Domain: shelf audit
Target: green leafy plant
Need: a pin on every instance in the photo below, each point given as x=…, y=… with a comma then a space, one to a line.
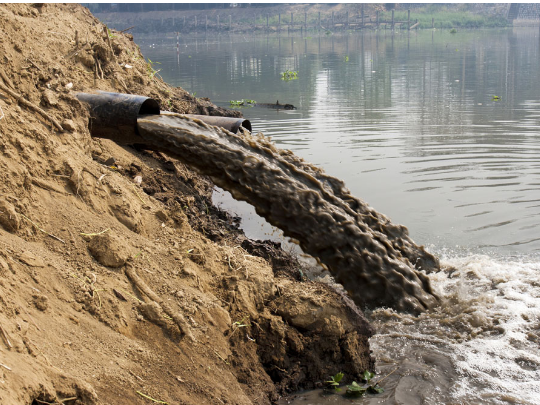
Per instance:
x=496, y=98
x=111, y=35
x=240, y=324
x=242, y=103
x=333, y=382
x=346, y=58
x=453, y=31
x=358, y=390
x=152, y=72
x=289, y=75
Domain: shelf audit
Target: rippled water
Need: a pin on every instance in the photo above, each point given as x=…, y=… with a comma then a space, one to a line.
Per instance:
x=411, y=124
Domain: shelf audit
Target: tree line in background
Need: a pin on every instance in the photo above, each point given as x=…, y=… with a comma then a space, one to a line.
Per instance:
x=142, y=7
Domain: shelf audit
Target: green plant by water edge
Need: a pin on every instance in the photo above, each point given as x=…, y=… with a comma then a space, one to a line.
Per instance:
x=242, y=103
x=358, y=390
x=333, y=382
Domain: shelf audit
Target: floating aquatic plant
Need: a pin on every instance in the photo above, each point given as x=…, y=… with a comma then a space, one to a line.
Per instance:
x=289, y=75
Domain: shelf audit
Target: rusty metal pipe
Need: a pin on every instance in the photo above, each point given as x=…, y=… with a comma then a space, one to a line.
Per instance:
x=114, y=116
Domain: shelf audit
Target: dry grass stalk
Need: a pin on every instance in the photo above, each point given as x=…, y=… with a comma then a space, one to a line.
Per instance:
x=5, y=337
x=235, y=257
x=151, y=399
x=45, y=232
x=31, y=319
x=56, y=401
x=177, y=317
x=95, y=234
x=47, y=186
x=34, y=107
x=135, y=375
x=33, y=64
x=221, y=358
x=127, y=29
x=6, y=79
x=138, y=195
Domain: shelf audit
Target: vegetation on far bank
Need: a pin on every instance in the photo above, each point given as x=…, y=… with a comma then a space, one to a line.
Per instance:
x=444, y=18
x=315, y=16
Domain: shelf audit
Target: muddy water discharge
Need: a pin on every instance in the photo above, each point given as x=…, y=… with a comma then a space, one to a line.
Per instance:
x=374, y=259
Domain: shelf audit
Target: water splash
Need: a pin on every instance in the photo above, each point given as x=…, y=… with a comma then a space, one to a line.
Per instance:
x=485, y=335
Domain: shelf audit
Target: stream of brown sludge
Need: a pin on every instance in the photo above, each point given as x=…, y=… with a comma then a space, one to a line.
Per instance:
x=372, y=258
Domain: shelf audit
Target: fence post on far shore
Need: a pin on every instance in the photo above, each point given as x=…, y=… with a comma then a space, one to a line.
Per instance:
x=392, y=20
x=347, y=20
x=408, y=19
x=319, y=27
x=195, y=23
x=377, y=19
x=230, y=23
x=305, y=21
x=432, y=22
x=279, y=22
x=267, y=26
x=218, y=24
x=291, y=25
x=362, y=11
x=205, y=23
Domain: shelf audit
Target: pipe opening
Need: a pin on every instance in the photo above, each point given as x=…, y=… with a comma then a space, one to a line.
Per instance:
x=149, y=107
x=246, y=124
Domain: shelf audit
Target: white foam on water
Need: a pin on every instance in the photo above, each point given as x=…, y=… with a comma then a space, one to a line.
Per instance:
x=488, y=328
x=500, y=359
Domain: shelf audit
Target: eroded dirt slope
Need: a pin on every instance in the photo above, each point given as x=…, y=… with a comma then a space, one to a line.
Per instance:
x=119, y=280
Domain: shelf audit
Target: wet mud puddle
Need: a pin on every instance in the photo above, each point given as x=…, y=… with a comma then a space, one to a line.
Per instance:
x=372, y=258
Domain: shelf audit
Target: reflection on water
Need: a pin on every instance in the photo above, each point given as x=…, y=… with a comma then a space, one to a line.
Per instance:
x=411, y=124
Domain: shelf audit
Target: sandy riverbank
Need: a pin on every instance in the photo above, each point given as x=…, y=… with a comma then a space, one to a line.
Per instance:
x=79, y=232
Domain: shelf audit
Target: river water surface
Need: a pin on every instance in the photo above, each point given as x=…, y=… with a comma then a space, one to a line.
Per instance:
x=439, y=132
